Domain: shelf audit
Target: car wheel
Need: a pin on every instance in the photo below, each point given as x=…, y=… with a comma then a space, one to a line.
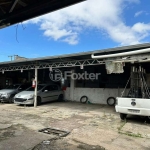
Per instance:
x=148, y=119
x=11, y=100
x=111, y=101
x=38, y=100
x=61, y=98
x=123, y=116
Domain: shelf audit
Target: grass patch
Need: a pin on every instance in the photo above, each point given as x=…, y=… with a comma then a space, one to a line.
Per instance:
x=122, y=125
x=138, y=135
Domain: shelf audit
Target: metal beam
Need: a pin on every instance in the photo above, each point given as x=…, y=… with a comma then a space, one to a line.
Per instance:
x=4, y=3
x=2, y=10
x=88, y=62
x=22, y=3
x=13, y=5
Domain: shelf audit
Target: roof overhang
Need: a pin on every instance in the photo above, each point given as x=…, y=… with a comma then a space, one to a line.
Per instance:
x=16, y=11
x=69, y=60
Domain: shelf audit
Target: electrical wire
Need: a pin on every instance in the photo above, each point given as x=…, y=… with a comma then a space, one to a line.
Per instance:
x=142, y=84
x=146, y=87
x=126, y=86
x=17, y=33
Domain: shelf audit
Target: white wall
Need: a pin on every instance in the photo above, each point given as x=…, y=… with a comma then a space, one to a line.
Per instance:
x=95, y=95
x=67, y=94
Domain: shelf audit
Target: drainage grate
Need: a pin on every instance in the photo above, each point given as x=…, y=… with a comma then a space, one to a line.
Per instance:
x=56, y=132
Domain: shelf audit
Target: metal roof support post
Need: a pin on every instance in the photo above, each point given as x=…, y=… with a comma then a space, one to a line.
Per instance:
x=35, y=91
x=72, y=85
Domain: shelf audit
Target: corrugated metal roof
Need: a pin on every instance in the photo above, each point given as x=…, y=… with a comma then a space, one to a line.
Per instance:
x=80, y=56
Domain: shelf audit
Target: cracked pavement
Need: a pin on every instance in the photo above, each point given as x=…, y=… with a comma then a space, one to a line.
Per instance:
x=91, y=127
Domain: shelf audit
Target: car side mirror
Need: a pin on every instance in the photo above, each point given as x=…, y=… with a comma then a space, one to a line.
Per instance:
x=46, y=91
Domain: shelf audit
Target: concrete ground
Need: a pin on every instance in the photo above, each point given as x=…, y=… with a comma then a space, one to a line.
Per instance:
x=96, y=127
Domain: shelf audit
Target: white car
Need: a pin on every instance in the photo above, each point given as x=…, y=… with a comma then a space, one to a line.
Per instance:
x=7, y=94
x=133, y=104
x=45, y=93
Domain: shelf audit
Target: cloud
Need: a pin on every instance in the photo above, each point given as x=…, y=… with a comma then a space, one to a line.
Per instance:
x=138, y=13
x=67, y=24
x=141, y=28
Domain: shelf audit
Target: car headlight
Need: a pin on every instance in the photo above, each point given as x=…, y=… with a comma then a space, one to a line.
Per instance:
x=6, y=95
x=30, y=96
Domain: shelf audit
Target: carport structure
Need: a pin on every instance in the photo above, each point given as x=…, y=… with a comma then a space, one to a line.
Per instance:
x=83, y=61
x=64, y=61
x=16, y=11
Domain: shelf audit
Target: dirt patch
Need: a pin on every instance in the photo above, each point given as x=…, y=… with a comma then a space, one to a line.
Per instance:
x=9, y=132
x=31, y=116
x=61, y=144
x=136, y=130
x=93, y=125
x=68, y=123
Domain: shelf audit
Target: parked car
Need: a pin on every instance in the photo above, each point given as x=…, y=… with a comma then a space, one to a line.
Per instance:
x=45, y=93
x=133, y=104
x=7, y=94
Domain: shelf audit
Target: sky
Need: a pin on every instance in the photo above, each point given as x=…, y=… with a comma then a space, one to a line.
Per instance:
x=87, y=26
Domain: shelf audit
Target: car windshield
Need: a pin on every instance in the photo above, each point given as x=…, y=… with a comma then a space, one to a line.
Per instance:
x=39, y=87
x=15, y=86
